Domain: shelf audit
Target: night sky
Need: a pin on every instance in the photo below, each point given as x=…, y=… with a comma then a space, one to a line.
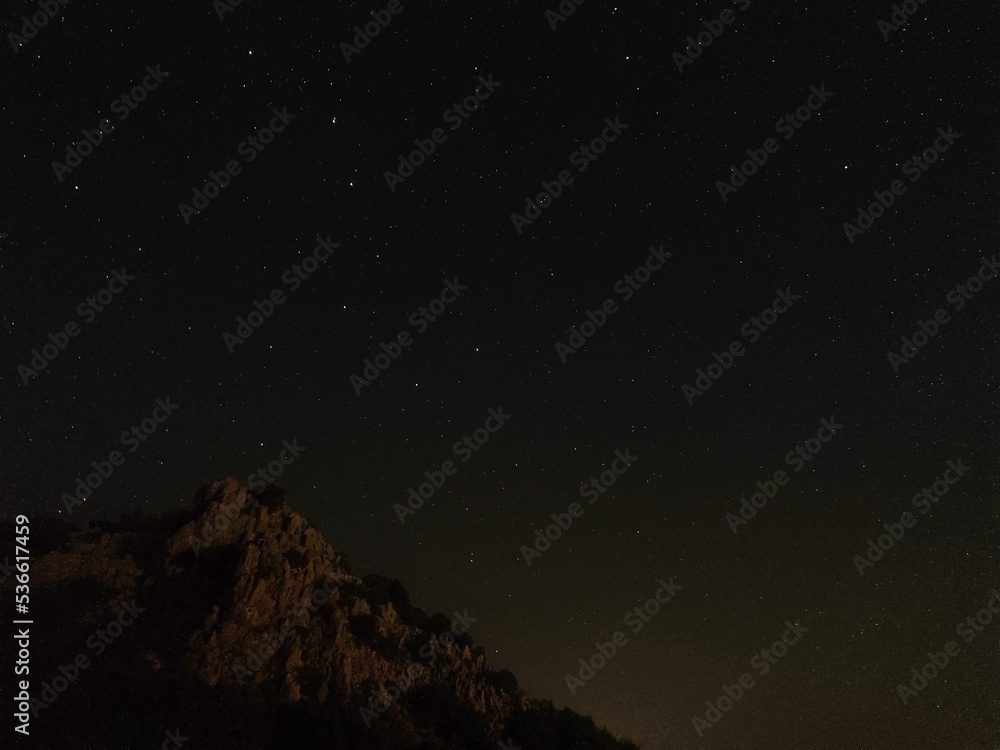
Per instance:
x=391, y=246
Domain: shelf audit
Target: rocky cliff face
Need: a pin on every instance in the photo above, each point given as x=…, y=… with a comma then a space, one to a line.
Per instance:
x=253, y=632
x=296, y=622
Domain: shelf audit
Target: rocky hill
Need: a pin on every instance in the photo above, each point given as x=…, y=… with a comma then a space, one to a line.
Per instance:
x=238, y=626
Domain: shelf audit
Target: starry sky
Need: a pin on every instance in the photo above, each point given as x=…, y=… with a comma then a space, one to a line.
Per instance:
x=65, y=233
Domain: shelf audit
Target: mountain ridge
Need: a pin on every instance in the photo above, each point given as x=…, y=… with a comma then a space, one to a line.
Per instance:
x=254, y=630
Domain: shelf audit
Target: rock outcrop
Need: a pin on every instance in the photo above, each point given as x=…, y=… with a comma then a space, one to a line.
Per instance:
x=255, y=633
